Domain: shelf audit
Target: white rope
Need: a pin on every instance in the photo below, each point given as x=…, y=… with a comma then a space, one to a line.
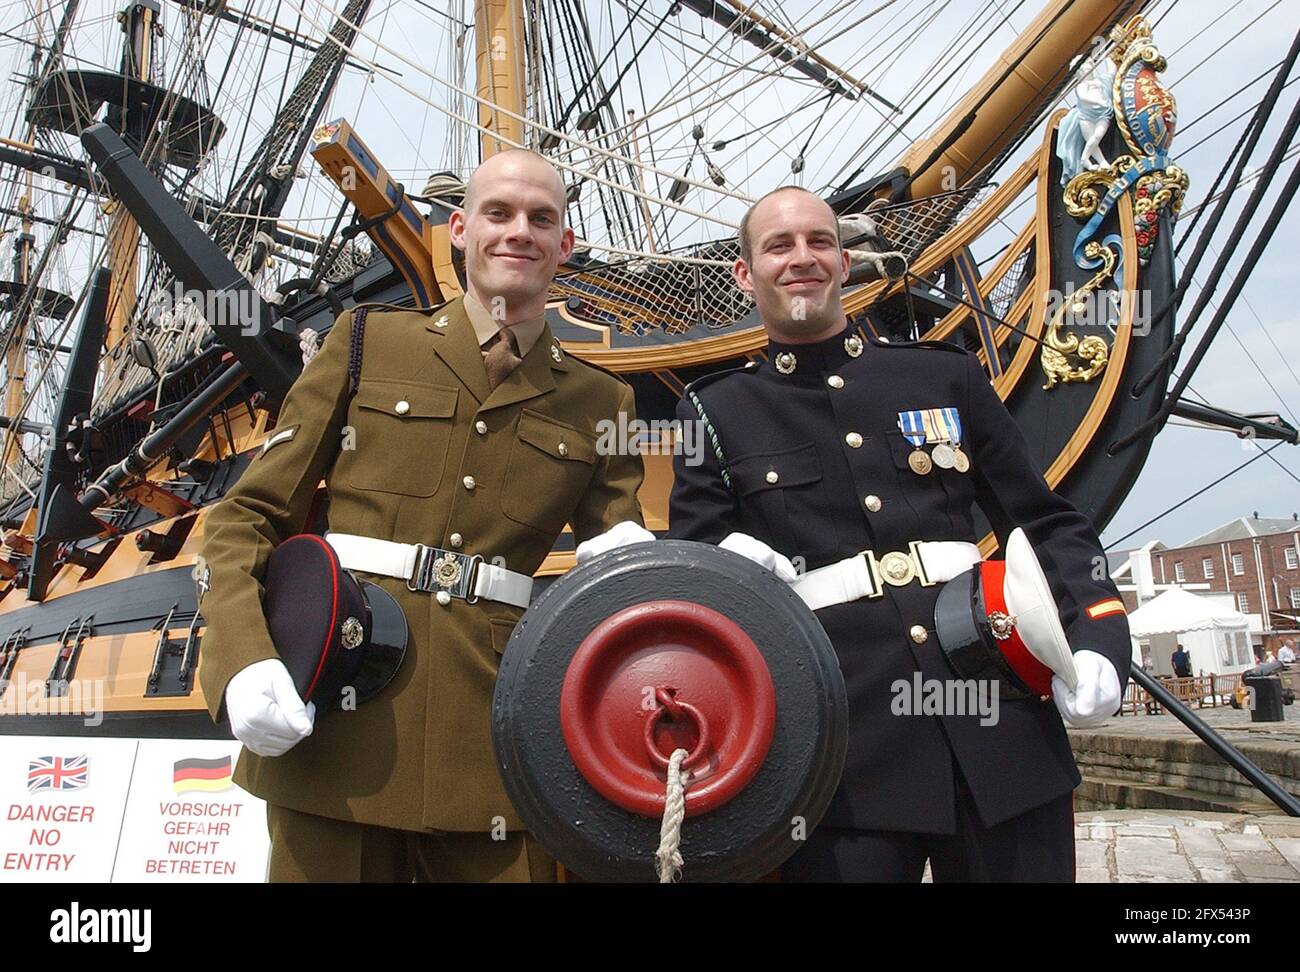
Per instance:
x=668, y=858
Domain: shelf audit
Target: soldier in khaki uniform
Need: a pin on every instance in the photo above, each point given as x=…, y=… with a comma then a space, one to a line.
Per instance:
x=458, y=445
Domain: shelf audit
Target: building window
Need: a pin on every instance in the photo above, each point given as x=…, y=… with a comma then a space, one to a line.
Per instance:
x=1207, y=565
x=1238, y=564
x=1243, y=604
x=1180, y=575
x=1295, y=597
x=1292, y=558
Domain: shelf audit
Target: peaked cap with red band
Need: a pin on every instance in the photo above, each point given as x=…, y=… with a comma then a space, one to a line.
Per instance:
x=999, y=620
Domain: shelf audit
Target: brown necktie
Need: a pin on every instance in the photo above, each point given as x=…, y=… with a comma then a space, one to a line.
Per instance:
x=502, y=357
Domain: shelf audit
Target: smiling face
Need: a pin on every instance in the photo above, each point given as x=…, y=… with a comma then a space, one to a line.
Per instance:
x=512, y=231
x=795, y=266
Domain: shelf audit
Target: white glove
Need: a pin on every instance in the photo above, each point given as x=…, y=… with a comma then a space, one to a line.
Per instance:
x=266, y=714
x=1098, y=693
x=308, y=344
x=760, y=553
x=619, y=535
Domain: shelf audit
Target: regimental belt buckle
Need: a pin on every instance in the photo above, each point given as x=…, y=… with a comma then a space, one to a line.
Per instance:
x=444, y=570
x=897, y=568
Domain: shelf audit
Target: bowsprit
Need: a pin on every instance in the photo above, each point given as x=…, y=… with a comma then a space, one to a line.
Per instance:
x=658, y=648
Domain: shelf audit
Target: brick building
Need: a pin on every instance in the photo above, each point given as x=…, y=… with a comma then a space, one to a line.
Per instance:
x=1255, y=559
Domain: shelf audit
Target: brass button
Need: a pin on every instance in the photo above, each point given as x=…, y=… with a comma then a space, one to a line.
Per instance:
x=919, y=634
x=854, y=440
x=456, y=540
x=835, y=381
x=480, y=427
x=564, y=449
x=469, y=482
x=772, y=476
x=402, y=407
x=873, y=503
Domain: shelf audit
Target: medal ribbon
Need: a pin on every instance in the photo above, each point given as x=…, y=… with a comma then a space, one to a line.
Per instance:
x=912, y=427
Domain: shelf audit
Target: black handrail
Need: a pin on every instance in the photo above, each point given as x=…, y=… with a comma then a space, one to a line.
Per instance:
x=1230, y=753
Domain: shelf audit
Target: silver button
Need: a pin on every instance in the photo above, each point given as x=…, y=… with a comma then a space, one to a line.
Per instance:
x=772, y=476
x=919, y=634
x=564, y=449
x=835, y=381
x=402, y=407
x=873, y=503
x=444, y=598
x=480, y=427
x=469, y=482
x=854, y=440
x=456, y=540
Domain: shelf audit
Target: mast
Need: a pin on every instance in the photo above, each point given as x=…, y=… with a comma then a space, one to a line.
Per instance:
x=139, y=22
x=500, y=43
x=16, y=355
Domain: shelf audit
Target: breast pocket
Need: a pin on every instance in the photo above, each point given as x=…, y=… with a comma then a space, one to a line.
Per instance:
x=550, y=465
x=784, y=487
x=401, y=433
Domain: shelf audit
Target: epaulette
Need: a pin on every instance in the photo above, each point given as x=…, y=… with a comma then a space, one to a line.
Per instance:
x=747, y=368
x=937, y=345
x=595, y=367
x=426, y=311
x=690, y=394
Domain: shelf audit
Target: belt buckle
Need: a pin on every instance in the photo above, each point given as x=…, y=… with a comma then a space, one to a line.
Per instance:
x=444, y=570
x=897, y=569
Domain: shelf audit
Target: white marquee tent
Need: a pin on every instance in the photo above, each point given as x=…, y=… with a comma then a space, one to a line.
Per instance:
x=1215, y=635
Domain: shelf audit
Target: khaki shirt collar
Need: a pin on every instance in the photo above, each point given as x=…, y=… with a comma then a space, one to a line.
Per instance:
x=486, y=326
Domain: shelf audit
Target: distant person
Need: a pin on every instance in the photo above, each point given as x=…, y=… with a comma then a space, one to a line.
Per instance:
x=1182, y=663
x=1286, y=654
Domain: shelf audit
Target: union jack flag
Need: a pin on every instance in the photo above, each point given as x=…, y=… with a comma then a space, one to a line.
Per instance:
x=57, y=773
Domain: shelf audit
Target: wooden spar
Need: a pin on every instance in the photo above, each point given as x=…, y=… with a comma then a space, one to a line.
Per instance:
x=124, y=231
x=395, y=226
x=1011, y=92
x=745, y=9
x=16, y=358
x=500, y=41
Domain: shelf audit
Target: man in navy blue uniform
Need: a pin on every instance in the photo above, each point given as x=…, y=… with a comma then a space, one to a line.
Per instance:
x=842, y=443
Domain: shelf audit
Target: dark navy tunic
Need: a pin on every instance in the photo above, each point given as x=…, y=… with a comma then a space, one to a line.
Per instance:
x=813, y=463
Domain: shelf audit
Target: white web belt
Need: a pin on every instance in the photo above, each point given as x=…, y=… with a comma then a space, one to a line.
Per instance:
x=866, y=575
x=432, y=569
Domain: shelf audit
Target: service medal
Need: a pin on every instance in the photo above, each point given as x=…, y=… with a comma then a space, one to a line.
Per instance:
x=960, y=461
x=919, y=462
x=943, y=456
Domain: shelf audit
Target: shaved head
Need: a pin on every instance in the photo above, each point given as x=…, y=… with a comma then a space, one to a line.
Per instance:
x=511, y=228
x=746, y=243
x=513, y=162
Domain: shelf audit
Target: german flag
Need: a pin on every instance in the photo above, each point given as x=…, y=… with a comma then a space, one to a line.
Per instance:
x=210, y=775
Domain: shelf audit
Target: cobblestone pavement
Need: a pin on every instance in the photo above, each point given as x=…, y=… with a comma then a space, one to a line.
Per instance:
x=1234, y=724
x=1122, y=846
x=1147, y=846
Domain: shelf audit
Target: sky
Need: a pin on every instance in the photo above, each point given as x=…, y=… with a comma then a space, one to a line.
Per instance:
x=901, y=48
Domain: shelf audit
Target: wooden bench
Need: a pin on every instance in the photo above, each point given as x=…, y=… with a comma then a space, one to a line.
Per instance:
x=1201, y=690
